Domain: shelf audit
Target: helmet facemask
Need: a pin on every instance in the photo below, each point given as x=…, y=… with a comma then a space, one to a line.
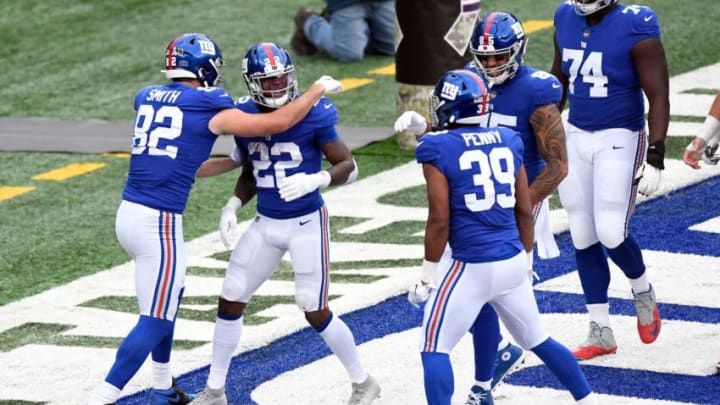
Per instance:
x=273, y=89
x=587, y=7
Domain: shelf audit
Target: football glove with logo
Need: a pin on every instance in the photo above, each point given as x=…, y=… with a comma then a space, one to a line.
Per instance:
x=651, y=174
x=331, y=85
x=412, y=122
x=228, y=221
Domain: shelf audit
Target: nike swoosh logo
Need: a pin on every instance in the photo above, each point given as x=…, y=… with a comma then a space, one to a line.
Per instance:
x=327, y=106
x=555, y=86
x=648, y=18
x=617, y=147
x=305, y=222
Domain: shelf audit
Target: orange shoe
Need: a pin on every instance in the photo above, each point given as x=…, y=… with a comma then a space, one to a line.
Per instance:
x=600, y=341
x=649, y=322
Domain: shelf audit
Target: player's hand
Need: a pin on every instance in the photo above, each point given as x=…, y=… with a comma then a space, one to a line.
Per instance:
x=228, y=220
x=652, y=173
x=300, y=184
x=412, y=122
x=650, y=181
x=419, y=293
x=532, y=275
x=330, y=85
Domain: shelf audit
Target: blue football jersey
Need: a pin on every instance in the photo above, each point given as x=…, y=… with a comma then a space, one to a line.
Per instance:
x=296, y=150
x=604, y=88
x=481, y=166
x=171, y=141
x=514, y=102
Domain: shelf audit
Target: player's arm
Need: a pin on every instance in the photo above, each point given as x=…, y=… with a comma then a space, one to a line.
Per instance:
x=238, y=123
x=343, y=167
x=649, y=59
x=218, y=166
x=437, y=227
x=708, y=135
x=557, y=72
x=523, y=210
x=550, y=138
x=244, y=192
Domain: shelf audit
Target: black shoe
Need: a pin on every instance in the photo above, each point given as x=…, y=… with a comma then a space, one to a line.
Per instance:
x=299, y=42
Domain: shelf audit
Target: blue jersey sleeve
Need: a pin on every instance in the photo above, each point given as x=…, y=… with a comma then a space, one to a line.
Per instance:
x=212, y=98
x=326, y=135
x=546, y=88
x=322, y=114
x=645, y=23
x=426, y=150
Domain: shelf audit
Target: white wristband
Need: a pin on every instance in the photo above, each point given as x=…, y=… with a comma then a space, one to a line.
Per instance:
x=234, y=203
x=428, y=271
x=326, y=178
x=710, y=129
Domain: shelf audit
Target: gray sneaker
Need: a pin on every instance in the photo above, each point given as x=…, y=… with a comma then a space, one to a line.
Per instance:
x=209, y=396
x=365, y=392
x=648, y=316
x=600, y=341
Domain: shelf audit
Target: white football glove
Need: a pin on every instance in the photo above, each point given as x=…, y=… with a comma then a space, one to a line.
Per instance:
x=412, y=122
x=300, y=184
x=228, y=220
x=650, y=180
x=532, y=275
x=330, y=85
x=419, y=293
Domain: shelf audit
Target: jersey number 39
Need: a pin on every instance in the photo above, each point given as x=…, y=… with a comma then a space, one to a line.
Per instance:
x=495, y=167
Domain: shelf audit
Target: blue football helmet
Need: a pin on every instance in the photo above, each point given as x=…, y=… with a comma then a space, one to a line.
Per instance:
x=587, y=7
x=194, y=56
x=459, y=97
x=498, y=34
x=269, y=74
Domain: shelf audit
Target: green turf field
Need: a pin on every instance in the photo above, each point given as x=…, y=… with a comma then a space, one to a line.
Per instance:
x=86, y=59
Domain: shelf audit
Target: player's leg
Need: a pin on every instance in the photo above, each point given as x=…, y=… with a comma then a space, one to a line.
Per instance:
x=309, y=247
x=252, y=262
x=615, y=200
x=519, y=312
x=462, y=290
x=577, y=195
x=154, y=240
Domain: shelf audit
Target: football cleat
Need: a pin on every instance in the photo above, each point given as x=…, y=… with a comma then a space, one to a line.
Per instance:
x=648, y=316
x=365, y=392
x=171, y=396
x=507, y=360
x=600, y=341
x=210, y=396
x=479, y=396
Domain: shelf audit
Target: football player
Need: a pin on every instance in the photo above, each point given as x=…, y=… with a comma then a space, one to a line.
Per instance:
x=524, y=99
x=175, y=128
x=705, y=145
x=606, y=55
x=479, y=204
x=285, y=172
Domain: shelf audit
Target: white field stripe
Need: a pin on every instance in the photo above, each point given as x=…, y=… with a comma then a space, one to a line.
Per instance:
x=711, y=226
x=395, y=362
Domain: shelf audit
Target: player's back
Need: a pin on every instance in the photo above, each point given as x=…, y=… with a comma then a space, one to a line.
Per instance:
x=604, y=88
x=481, y=166
x=171, y=141
x=297, y=150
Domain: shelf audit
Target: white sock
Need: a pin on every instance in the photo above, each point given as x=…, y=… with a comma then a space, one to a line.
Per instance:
x=341, y=341
x=599, y=313
x=225, y=340
x=590, y=399
x=105, y=393
x=162, y=376
x=640, y=284
x=503, y=343
x=486, y=385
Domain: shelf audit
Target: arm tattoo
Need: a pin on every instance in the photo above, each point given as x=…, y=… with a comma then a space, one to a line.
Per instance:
x=550, y=137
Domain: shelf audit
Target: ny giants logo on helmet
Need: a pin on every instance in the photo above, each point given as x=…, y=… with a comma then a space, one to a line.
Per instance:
x=449, y=91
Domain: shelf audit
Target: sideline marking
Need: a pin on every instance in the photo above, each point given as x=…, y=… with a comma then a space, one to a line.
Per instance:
x=8, y=192
x=352, y=83
x=69, y=171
